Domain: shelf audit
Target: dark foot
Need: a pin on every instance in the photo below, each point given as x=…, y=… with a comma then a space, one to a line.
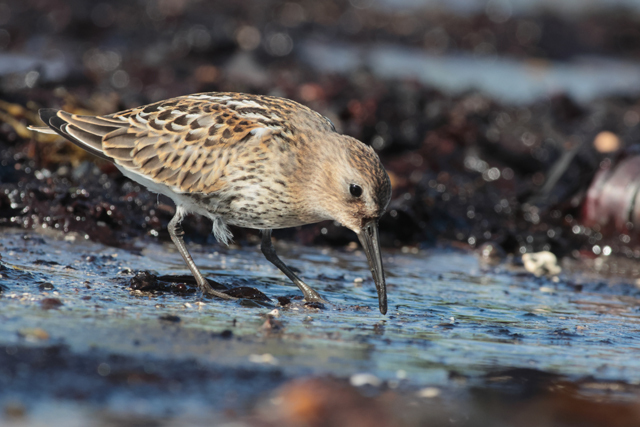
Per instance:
x=313, y=296
x=212, y=293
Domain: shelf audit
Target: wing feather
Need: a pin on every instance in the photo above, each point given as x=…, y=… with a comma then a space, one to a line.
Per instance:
x=186, y=142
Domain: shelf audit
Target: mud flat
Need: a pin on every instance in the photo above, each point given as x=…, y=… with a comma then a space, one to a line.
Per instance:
x=461, y=339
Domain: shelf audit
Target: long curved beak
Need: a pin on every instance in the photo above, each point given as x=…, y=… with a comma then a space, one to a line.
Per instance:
x=368, y=237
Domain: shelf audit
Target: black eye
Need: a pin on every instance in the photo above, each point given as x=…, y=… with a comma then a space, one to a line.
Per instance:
x=355, y=190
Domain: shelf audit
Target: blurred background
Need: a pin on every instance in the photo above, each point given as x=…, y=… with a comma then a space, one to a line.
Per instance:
x=506, y=126
x=508, y=122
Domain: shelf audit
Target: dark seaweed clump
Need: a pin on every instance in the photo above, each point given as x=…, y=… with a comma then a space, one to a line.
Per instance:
x=465, y=169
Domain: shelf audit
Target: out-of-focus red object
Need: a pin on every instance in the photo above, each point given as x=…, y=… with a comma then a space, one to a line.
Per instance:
x=612, y=200
x=327, y=402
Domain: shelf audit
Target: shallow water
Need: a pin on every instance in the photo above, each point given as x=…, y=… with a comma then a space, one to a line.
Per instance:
x=506, y=79
x=447, y=313
x=515, y=7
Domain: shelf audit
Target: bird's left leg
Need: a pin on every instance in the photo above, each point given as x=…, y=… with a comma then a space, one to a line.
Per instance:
x=270, y=253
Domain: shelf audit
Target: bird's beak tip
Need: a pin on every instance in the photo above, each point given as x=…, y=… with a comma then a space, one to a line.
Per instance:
x=368, y=236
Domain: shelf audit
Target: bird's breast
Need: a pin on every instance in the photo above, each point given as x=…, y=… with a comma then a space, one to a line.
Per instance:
x=257, y=204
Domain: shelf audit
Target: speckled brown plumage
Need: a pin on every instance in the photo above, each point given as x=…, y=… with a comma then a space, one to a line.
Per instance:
x=247, y=160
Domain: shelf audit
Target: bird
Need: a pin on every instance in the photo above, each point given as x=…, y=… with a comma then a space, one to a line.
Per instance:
x=254, y=161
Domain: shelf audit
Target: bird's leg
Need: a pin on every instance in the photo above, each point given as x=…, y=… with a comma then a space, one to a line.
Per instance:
x=176, y=233
x=270, y=253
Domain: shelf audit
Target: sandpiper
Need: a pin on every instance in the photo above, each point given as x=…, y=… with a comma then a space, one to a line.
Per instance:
x=247, y=160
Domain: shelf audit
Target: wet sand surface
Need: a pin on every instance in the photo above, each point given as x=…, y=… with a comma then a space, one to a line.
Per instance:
x=76, y=338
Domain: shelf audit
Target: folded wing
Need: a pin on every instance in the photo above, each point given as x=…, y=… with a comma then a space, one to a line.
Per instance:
x=185, y=143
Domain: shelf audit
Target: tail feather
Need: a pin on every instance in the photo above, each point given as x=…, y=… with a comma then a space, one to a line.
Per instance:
x=91, y=124
x=84, y=134
x=42, y=129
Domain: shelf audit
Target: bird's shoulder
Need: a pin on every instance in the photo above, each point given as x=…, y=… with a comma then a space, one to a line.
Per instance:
x=223, y=118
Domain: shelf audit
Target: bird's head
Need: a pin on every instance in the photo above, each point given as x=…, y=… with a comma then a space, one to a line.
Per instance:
x=353, y=188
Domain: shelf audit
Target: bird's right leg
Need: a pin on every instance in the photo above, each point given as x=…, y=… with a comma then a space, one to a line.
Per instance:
x=176, y=233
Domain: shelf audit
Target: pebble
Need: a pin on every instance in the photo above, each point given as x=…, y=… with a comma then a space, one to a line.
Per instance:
x=541, y=263
x=359, y=380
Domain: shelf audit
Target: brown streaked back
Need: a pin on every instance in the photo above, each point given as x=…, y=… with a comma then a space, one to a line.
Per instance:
x=188, y=142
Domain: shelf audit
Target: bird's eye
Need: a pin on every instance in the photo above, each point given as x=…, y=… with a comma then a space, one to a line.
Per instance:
x=355, y=190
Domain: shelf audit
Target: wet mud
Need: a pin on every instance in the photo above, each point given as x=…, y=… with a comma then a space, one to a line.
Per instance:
x=478, y=337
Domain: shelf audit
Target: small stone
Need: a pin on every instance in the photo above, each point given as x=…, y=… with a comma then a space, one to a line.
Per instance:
x=33, y=334
x=50, y=303
x=170, y=318
x=272, y=324
x=429, y=392
x=541, y=263
x=284, y=301
x=263, y=359
x=46, y=286
x=359, y=380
